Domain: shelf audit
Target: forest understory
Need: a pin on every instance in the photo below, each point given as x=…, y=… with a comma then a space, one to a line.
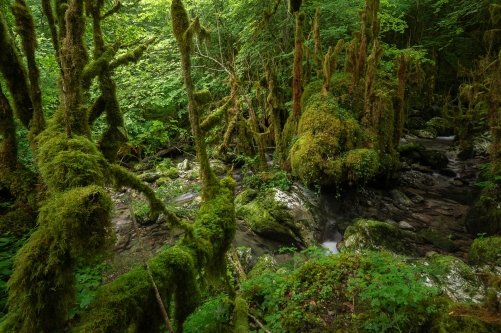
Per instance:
x=250, y=166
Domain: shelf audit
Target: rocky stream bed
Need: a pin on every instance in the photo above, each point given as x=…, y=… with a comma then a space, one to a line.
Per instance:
x=427, y=206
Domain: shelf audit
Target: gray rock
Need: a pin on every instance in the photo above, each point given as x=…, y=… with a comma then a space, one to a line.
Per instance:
x=413, y=237
x=405, y=225
x=457, y=183
x=184, y=165
x=401, y=198
x=150, y=177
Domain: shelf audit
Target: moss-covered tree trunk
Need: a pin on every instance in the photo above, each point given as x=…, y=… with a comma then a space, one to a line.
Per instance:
x=297, y=88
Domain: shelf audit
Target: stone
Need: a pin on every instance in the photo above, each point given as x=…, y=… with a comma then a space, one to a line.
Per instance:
x=430, y=254
x=150, y=177
x=421, y=168
x=184, y=165
x=278, y=215
x=438, y=239
x=219, y=167
x=447, y=172
x=413, y=237
x=457, y=183
x=405, y=226
x=405, y=166
x=401, y=198
x=428, y=133
x=456, y=279
x=375, y=235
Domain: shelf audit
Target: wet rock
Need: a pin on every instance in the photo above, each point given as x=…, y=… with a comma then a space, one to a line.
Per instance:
x=405, y=226
x=457, y=279
x=219, y=167
x=150, y=177
x=457, y=182
x=441, y=125
x=447, y=172
x=375, y=235
x=413, y=237
x=421, y=168
x=184, y=165
x=416, y=123
x=439, y=240
x=401, y=198
x=279, y=215
x=416, y=198
x=405, y=166
x=245, y=257
x=428, y=133
x=467, y=175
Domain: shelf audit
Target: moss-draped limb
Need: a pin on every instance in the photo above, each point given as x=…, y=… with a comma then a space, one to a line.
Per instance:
x=297, y=87
x=73, y=223
x=8, y=145
x=132, y=56
x=266, y=16
x=183, y=30
x=49, y=14
x=115, y=9
x=130, y=301
x=97, y=109
x=74, y=59
x=125, y=178
x=97, y=66
x=26, y=29
x=399, y=112
x=15, y=177
x=240, y=314
x=215, y=117
x=15, y=74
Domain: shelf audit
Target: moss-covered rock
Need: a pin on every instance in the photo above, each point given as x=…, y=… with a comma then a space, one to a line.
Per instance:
x=265, y=265
x=466, y=319
x=441, y=125
x=439, y=240
x=415, y=152
x=329, y=146
x=427, y=133
x=246, y=196
x=485, y=251
x=150, y=177
x=415, y=123
x=277, y=215
x=456, y=279
x=375, y=235
x=434, y=159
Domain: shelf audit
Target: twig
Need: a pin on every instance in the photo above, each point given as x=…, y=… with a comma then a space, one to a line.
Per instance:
x=258, y=322
x=145, y=263
x=235, y=261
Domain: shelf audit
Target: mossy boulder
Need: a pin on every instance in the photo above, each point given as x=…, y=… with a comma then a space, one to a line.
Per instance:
x=427, y=133
x=438, y=239
x=329, y=145
x=456, y=279
x=277, y=215
x=434, y=159
x=485, y=251
x=459, y=318
x=375, y=235
x=441, y=125
x=484, y=215
x=246, y=196
x=150, y=177
x=415, y=123
x=265, y=265
x=415, y=152
x=218, y=167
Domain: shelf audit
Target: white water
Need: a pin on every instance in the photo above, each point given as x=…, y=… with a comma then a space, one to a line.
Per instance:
x=445, y=138
x=331, y=246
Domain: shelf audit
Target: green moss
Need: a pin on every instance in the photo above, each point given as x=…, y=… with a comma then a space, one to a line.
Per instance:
x=441, y=125
x=484, y=214
x=434, y=159
x=240, y=314
x=374, y=235
x=265, y=265
x=466, y=319
x=485, y=251
x=69, y=163
x=438, y=239
x=74, y=223
x=18, y=221
x=246, y=196
x=415, y=123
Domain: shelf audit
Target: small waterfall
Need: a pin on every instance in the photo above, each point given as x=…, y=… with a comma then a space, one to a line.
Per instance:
x=331, y=236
